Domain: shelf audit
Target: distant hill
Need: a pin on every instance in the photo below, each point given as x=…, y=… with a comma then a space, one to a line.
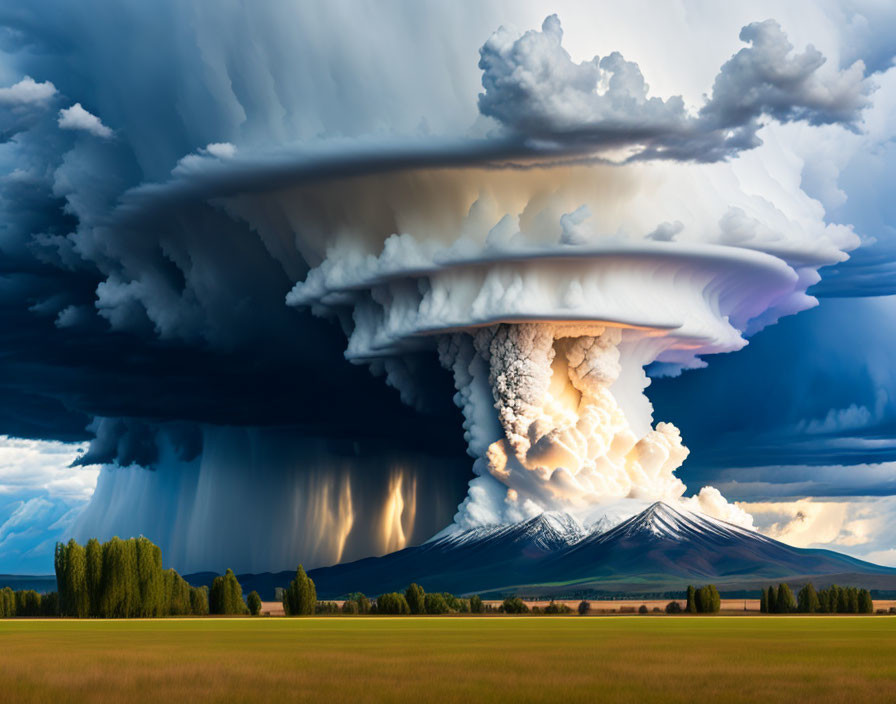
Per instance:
x=658, y=551
x=42, y=583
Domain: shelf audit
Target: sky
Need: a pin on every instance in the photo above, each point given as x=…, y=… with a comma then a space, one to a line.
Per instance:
x=196, y=206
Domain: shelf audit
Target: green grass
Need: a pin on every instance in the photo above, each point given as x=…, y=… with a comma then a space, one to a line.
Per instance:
x=500, y=659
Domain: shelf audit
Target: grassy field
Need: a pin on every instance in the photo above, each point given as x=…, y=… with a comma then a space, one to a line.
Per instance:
x=493, y=659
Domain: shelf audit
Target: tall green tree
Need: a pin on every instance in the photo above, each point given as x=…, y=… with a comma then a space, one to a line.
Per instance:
x=7, y=603
x=476, y=604
x=199, y=601
x=436, y=604
x=253, y=601
x=772, y=600
x=415, y=597
x=152, y=586
x=842, y=601
x=763, y=601
x=300, y=598
x=76, y=578
x=807, y=600
x=853, y=594
x=715, y=599
x=226, y=596
x=866, y=603
x=784, y=601
x=94, y=568
x=62, y=586
x=691, y=607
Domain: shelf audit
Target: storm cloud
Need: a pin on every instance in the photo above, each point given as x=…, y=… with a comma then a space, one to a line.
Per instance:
x=157, y=213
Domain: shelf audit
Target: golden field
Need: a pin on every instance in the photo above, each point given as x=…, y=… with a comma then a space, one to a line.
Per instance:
x=451, y=659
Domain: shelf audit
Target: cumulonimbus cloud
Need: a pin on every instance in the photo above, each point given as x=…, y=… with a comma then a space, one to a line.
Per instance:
x=535, y=89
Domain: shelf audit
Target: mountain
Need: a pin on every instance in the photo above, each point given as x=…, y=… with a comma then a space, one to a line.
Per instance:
x=660, y=549
x=485, y=555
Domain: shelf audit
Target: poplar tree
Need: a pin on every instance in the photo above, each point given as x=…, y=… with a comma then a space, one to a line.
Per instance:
x=785, y=601
x=866, y=603
x=691, y=607
x=76, y=580
x=59, y=565
x=842, y=601
x=300, y=598
x=772, y=600
x=763, y=602
x=151, y=584
x=254, y=603
x=226, y=595
x=94, y=568
x=7, y=603
x=807, y=601
x=415, y=597
x=199, y=601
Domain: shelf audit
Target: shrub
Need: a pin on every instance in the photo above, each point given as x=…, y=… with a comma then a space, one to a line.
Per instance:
x=326, y=607
x=436, y=604
x=657, y=610
x=350, y=606
x=392, y=603
x=476, y=606
x=584, y=607
x=253, y=601
x=673, y=607
x=362, y=601
x=452, y=601
x=514, y=605
x=643, y=609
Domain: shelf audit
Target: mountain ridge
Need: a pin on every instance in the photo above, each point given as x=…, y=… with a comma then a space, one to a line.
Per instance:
x=659, y=550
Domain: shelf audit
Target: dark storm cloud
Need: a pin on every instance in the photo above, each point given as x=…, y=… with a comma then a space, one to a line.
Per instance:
x=130, y=293
x=815, y=390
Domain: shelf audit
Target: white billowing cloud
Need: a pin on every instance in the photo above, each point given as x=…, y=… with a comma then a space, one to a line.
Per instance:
x=44, y=466
x=41, y=495
x=77, y=118
x=535, y=89
x=222, y=150
x=666, y=262
x=859, y=526
x=27, y=92
x=209, y=154
x=710, y=501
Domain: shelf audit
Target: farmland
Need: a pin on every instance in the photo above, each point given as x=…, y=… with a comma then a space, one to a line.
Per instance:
x=451, y=659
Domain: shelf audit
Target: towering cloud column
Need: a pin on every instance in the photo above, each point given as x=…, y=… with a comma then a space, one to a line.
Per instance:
x=566, y=442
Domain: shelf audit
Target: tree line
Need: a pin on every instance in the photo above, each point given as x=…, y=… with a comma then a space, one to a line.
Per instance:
x=27, y=603
x=833, y=600
x=122, y=579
